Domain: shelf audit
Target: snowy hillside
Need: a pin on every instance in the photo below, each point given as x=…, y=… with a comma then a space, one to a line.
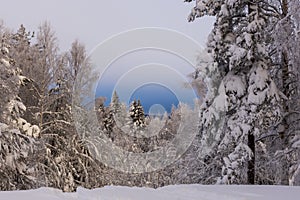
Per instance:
x=180, y=192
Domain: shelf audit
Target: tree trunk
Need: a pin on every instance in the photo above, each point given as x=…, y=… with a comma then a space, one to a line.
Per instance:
x=251, y=163
x=284, y=180
x=251, y=142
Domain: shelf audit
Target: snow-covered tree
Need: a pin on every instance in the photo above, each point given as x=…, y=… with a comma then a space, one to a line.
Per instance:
x=112, y=113
x=36, y=74
x=137, y=114
x=17, y=135
x=284, y=33
x=115, y=103
x=244, y=104
x=68, y=161
x=109, y=121
x=24, y=54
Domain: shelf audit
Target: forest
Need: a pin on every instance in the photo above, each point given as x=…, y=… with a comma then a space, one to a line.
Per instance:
x=246, y=130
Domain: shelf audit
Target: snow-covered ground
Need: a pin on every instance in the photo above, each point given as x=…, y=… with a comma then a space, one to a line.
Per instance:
x=179, y=192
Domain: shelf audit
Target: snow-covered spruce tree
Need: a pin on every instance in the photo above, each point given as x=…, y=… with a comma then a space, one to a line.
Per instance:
x=109, y=121
x=24, y=54
x=294, y=171
x=17, y=135
x=131, y=128
x=278, y=158
x=284, y=32
x=137, y=114
x=246, y=98
x=100, y=110
x=112, y=112
x=115, y=103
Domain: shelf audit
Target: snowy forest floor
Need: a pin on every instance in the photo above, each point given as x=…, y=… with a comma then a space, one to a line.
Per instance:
x=178, y=192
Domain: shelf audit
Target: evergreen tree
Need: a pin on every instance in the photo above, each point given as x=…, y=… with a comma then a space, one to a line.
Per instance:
x=16, y=138
x=244, y=105
x=137, y=114
x=284, y=35
x=100, y=110
x=109, y=121
x=115, y=103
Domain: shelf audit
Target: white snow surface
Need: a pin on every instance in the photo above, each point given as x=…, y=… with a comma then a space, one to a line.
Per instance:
x=177, y=192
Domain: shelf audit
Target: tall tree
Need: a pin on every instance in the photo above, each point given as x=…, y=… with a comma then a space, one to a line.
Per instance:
x=17, y=134
x=41, y=70
x=24, y=54
x=115, y=102
x=68, y=162
x=137, y=114
x=246, y=99
x=285, y=35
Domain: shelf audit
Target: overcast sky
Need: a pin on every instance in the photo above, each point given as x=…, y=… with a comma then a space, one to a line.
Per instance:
x=93, y=21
